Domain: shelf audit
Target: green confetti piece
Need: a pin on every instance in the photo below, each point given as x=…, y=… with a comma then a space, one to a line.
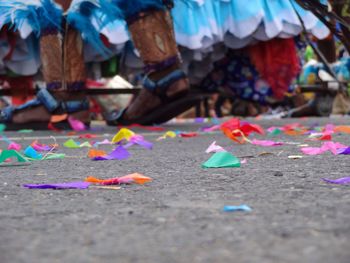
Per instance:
x=275, y=132
x=6, y=154
x=25, y=131
x=54, y=156
x=2, y=127
x=71, y=144
x=222, y=160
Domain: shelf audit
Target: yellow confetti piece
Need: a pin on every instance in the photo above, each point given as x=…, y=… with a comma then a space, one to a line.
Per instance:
x=123, y=133
x=168, y=134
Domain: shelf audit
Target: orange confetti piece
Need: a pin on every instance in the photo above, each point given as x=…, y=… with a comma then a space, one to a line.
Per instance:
x=96, y=153
x=58, y=118
x=130, y=178
x=342, y=129
x=295, y=132
x=93, y=180
x=138, y=178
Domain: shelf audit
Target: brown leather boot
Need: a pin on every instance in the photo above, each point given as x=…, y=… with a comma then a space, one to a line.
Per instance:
x=165, y=84
x=63, y=69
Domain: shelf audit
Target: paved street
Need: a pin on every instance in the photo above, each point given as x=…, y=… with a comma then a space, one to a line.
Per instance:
x=178, y=217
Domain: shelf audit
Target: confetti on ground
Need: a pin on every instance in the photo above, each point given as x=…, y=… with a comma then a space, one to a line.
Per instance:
x=266, y=143
x=87, y=136
x=14, y=146
x=25, y=131
x=222, y=160
x=59, y=186
x=32, y=153
x=123, y=134
x=96, y=153
x=343, y=181
x=139, y=140
x=188, y=134
x=6, y=154
x=120, y=153
x=238, y=132
x=240, y=208
x=75, y=145
x=326, y=146
x=168, y=134
x=127, y=179
x=214, y=148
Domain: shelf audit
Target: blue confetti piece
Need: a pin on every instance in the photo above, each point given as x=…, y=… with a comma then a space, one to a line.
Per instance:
x=240, y=208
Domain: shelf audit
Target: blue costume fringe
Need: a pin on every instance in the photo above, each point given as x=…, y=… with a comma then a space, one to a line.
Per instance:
x=80, y=16
x=131, y=7
x=41, y=15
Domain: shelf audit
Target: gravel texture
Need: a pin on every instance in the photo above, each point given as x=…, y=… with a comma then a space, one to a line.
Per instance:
x=178, y=217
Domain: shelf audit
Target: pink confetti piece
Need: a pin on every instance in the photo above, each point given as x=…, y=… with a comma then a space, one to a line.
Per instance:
x=343, y=181
x=41, y=147
x=214, y=148
x=104, y=142
x=211, y=128
x=76, y=124
x=244, y=161
x=329, y=128
x=266, y=143
x=14, y=146
x=326, y=146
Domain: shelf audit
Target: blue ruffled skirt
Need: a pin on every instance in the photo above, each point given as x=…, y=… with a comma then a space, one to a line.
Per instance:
x=201, y=26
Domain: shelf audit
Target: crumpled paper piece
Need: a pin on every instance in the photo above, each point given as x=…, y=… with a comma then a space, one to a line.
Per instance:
x=342, y=181
x=75, y=145
x=168, y=134
x=222, y=160
x=240, y=208
x=119, y=153
x=139, y=140
x=123, y=134
x=188, y=134
x=326, y=146
x=32, y=153
x=127, y=179
x=14, y=146
x=238, y=132
x=214, y=148
x=59, y=186
x=96, y=153
x=266, y=143
x=6, y=154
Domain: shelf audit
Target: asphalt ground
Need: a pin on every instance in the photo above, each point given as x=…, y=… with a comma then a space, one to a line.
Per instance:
x=178, y=217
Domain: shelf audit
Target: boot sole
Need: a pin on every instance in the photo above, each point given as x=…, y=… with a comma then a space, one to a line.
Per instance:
x=166, y=111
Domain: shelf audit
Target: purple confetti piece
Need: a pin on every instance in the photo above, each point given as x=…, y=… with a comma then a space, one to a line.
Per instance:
x=72, y=185
x=344, y=180
x=199, y=120
x=344, y=151
x=120, y=153
x=142, y=142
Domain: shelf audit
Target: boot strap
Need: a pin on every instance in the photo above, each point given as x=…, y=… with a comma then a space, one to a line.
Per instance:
x=160, y=86
x=150, y=68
